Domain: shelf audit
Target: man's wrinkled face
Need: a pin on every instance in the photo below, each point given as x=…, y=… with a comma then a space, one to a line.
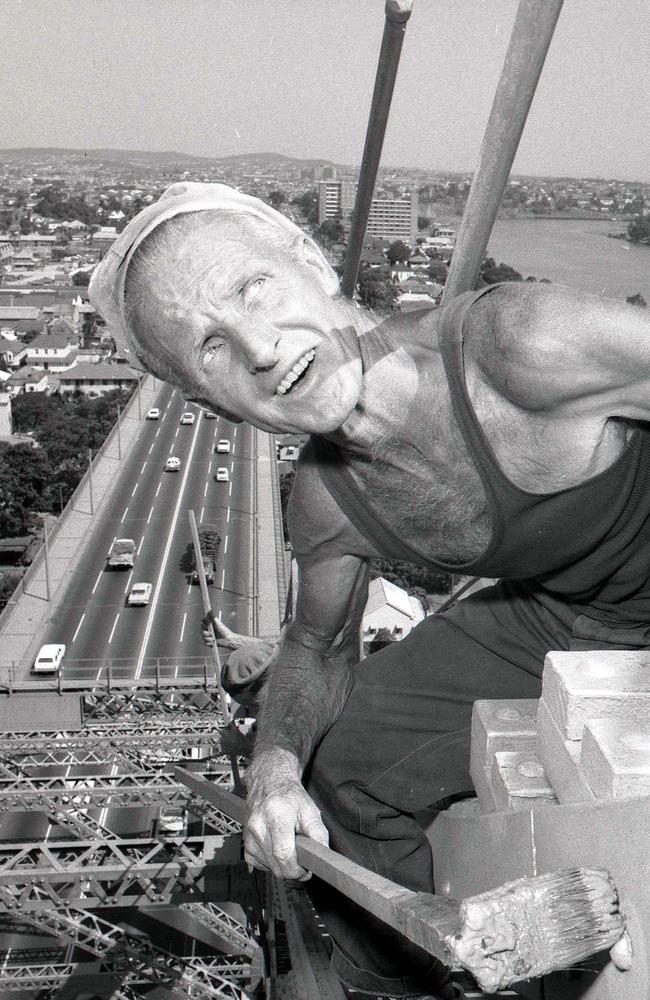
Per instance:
x=253, y=328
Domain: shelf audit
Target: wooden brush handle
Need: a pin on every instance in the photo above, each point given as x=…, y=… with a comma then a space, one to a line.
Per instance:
x=424, y=919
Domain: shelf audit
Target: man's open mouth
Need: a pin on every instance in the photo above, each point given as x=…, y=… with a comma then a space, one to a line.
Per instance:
x=296, y=374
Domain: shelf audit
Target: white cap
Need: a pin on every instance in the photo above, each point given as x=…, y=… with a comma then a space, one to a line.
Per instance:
x=106, y=288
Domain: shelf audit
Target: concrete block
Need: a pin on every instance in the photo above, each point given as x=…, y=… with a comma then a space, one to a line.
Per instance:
x=596, y=684
x=615, y=758
x=519, y=781
x=560, y=759
x=506, y=724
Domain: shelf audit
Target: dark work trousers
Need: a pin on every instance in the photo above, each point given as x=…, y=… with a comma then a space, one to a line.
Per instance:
x=402, y=744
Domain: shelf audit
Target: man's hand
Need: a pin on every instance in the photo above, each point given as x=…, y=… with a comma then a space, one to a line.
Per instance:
x=279, y=808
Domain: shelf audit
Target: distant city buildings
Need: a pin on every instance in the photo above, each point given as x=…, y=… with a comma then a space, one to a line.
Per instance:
x=390, y=218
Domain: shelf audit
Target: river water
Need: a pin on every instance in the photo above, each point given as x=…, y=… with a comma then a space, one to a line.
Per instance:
x=573, y=252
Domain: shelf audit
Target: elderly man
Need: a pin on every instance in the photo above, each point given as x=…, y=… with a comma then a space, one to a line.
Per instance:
x=497, y=436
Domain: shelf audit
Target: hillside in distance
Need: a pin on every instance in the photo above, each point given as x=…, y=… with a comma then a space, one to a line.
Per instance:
x=247, y=161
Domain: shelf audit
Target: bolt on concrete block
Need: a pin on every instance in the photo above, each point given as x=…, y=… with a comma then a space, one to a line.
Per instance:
x=519, y=781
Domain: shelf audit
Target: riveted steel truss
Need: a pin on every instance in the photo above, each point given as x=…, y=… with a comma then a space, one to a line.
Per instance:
x=120, y=873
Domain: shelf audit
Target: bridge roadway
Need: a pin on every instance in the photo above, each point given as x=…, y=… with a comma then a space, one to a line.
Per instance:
x=150, y=506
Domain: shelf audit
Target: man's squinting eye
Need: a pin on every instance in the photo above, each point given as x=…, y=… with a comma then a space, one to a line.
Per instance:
x=251, y=288
x=210, y=350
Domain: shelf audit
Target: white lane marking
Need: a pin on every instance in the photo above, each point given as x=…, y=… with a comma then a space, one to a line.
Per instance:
x=104, y=813
x=96, y=583
x=223, y=577
x=158, y=432
x=99, y=673
x=114, y=624
x=79, y=625
x=233, y=449
x=134, y=489
x=205, y=491
x=177, y=430
x=183, y=626
x=171, y=449
x=140, y=545
x=225, y=545
x=143, y=467
x=126, y=510
x=128, y=582
x=216, y=429
x=202, y=513
x=151, y=449
x=228, y=515
x=235, y=432
x=189, y=587
x=230, y=489
x=165, y=556
x=159, y=485
x=150, y=513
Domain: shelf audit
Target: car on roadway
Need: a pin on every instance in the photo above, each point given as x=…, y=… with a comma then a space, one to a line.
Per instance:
x=49, y=658
x=173, y=464
x=209, y=415
x=140, y=593
x=223, y=446
x=153, y=413
x=188, y=417
x=172, y=822
x=222, y=475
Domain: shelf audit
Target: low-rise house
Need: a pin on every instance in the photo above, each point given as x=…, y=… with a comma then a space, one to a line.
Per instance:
x=27, y=379
x=390, y=607
x=21, y=319
x=52, y=351
x=12, y=349
x=96, y=379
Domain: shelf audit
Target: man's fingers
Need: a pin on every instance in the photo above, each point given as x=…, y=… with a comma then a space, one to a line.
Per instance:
x=311, y=825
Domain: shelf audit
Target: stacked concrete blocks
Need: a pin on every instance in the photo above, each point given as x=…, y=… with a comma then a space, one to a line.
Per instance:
x=504, y=765
x=593, y=725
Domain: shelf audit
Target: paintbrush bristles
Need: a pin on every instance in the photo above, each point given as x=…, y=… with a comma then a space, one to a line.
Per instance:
x=534, y=926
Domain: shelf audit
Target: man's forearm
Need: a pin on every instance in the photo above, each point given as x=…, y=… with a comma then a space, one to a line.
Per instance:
x=307, y=690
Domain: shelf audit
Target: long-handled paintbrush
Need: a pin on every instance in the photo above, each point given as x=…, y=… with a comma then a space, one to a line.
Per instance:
x=521, y=930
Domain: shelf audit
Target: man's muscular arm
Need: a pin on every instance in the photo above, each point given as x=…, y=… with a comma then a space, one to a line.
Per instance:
x=310, y=678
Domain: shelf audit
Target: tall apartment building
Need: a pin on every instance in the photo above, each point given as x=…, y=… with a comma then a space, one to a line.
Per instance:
x=389, y=218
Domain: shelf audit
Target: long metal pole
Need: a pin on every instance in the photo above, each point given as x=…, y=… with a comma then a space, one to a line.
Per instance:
x=90, y=479
x=397, y=15
x=529, y=42
x=207, y=610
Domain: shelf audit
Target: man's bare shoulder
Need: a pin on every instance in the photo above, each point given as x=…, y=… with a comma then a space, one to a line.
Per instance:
x=315, y=520
x=525, y=338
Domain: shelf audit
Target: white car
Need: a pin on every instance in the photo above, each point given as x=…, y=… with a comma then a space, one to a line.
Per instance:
x=222, y=475
x=49, y=659
x=223, y=447
x=209, y=415
x=140, y=593
x=172, y=464
x=188, y=418
x=153, y=413
x=172, y=822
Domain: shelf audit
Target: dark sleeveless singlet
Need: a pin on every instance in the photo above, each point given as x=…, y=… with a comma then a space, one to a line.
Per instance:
x=588, y=545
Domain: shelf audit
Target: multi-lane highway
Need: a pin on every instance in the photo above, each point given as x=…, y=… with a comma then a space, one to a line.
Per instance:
x=150, y=505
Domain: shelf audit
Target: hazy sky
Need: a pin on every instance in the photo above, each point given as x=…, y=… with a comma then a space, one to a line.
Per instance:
x=215, y=77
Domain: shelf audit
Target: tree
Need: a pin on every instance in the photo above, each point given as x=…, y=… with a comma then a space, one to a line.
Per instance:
x=398, y=251
x=491, y=273
x=637, y=300
x=638, y=230
x=307, y=203
x=438, y=271
x=375, y=290
x=24, y=474
x=424, y=222
x=276, y=198
x=332, y=231
x=81, y=278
